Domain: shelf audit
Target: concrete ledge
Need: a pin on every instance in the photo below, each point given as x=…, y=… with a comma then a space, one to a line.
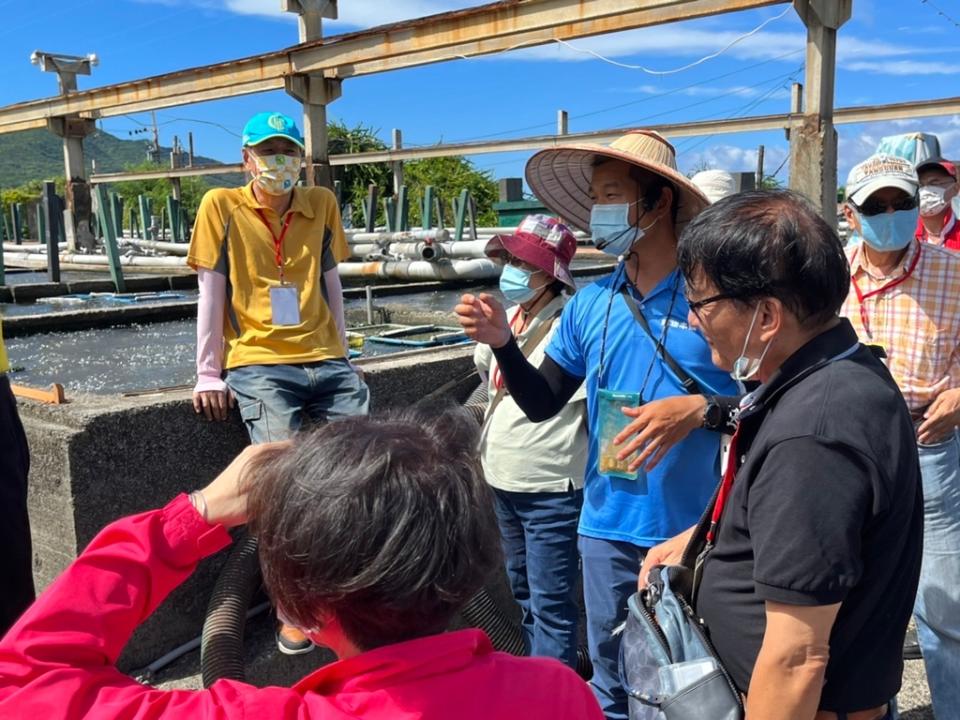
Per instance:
x=101, y=457
x=87, y=318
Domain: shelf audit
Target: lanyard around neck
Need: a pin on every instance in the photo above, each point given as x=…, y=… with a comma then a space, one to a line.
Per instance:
x=861, y=296
x=277, y=239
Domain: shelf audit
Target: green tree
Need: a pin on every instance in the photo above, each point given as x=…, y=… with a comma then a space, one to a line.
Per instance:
x=356, y=179
x=448, y=176
x=191, y=191
x=27, y=194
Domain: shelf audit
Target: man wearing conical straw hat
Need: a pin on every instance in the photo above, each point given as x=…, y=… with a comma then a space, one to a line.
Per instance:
x=648, y=374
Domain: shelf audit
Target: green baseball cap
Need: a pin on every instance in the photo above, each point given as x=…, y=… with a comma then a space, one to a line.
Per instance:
x=266, y=125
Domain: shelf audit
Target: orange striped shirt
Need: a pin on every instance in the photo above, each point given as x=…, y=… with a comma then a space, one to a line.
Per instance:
x=916, y=319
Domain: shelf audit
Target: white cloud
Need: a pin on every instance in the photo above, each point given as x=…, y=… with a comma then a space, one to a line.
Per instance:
x=740, y=91
x=687, y=41
x=733, y=159
x=679, y=41
x=858, y=142
x=903, y=67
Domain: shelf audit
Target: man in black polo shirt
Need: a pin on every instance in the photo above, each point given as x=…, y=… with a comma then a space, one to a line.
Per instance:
x=813, y=555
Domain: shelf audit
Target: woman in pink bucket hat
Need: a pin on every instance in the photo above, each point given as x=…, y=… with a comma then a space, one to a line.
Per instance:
x=536, y=469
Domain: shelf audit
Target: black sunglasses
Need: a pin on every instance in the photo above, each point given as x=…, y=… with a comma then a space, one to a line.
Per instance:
x=875, y=207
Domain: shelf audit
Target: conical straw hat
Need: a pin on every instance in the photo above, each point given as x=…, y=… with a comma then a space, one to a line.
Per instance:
x=560, y=176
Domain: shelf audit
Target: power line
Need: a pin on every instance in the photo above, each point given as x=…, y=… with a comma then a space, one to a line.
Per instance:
x=644, y=99
x=742, y=111
x=780, y=166
x=202, y=122
x=674, y=71
x=940, y=12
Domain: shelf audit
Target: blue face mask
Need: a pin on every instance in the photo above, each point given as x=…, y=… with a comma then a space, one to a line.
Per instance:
x=887, y=232
x=515, y=285
x=611, y=230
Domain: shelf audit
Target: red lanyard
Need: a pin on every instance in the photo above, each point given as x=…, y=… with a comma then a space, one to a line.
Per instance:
x=277, y=241
x=725, y=486
x=497, y=377
x=861, y=296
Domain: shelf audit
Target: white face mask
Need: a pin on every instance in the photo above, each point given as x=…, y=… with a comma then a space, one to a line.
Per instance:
x=745, y=368
x=933, y=200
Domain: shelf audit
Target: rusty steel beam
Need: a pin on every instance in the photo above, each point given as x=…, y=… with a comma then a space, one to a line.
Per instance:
x=843, y=116
x=474, y=31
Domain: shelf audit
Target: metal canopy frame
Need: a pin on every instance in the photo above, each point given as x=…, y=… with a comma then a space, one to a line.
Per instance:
x=472, y=32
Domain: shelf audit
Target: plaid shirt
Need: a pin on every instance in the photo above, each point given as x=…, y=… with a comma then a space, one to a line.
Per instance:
x=916, y=320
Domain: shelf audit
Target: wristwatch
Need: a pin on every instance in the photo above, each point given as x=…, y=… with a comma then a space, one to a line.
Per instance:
x=714, y=414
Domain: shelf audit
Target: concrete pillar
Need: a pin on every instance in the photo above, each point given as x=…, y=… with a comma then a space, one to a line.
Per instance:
x=175, y=189
x=73, y=130
x=314, y=91
x=563, y=122
x=813, y=137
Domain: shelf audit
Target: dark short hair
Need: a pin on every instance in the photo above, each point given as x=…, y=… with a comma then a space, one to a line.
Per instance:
x=769, y=243
x=651, y=184
x=386, y=522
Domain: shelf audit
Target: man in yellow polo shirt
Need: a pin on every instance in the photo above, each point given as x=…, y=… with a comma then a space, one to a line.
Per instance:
x=16, y=560
x=271, y=335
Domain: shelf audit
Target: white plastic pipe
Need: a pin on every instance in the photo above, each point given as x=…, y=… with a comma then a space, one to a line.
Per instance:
x=32, y=248
x=167, y=247
x=477, y=269
x=437, y=234
x=14, y=258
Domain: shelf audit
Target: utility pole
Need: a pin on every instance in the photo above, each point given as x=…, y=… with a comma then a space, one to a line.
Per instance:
x=155, y=153
x=760, y=175
x=73, y=129
x=398, y=165
x=313, y=89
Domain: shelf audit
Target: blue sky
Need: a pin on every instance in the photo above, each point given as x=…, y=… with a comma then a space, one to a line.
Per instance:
x=891, y=51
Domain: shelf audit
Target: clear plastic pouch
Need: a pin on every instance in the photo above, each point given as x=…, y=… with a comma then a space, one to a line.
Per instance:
x=611, y=422
x=679, y=676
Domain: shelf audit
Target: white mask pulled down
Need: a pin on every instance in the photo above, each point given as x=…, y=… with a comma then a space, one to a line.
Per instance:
x=745, y=367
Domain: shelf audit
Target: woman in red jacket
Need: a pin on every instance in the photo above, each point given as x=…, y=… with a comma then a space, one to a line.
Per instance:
x=372, y=534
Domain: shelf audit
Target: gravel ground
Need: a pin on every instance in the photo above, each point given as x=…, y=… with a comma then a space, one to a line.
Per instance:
x=266, y=666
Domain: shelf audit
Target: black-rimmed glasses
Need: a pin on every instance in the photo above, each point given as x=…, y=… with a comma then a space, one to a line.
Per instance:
x=696, y=305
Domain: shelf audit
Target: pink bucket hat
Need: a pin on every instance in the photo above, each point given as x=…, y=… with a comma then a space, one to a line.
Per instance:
x=542, y=241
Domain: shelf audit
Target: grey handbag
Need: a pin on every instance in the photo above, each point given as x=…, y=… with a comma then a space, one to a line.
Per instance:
x=668, y=666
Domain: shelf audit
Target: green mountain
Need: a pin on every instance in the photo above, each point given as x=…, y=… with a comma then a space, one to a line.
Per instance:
x=38, y=155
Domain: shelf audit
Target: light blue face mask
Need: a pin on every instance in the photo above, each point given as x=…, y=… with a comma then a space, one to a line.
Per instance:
x=887, y=232
x=515, y=285
x=611, y=230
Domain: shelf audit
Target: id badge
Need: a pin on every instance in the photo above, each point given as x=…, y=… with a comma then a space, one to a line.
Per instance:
x=611, y=422
x=284, y=305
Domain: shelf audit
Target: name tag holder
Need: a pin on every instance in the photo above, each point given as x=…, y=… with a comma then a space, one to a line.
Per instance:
x=284, y=298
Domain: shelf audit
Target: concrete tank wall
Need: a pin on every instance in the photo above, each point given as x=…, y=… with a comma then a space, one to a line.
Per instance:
x=101, y=457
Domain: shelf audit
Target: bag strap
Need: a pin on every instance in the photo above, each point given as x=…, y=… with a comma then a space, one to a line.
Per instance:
x=530, y=343
x=689, y=383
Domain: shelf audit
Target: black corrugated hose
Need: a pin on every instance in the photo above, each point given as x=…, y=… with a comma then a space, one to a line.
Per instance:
x=221, y=645
x=221, y=649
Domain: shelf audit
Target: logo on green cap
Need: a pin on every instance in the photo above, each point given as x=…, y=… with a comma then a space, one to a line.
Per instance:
x=277, y=122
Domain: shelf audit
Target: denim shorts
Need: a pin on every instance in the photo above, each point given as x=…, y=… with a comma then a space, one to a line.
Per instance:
x=275, y=401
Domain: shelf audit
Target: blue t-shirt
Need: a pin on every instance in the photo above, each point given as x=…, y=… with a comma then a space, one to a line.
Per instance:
x=680, y=487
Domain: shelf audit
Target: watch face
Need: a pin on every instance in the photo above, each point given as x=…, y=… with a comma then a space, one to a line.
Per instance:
x=714, y=415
